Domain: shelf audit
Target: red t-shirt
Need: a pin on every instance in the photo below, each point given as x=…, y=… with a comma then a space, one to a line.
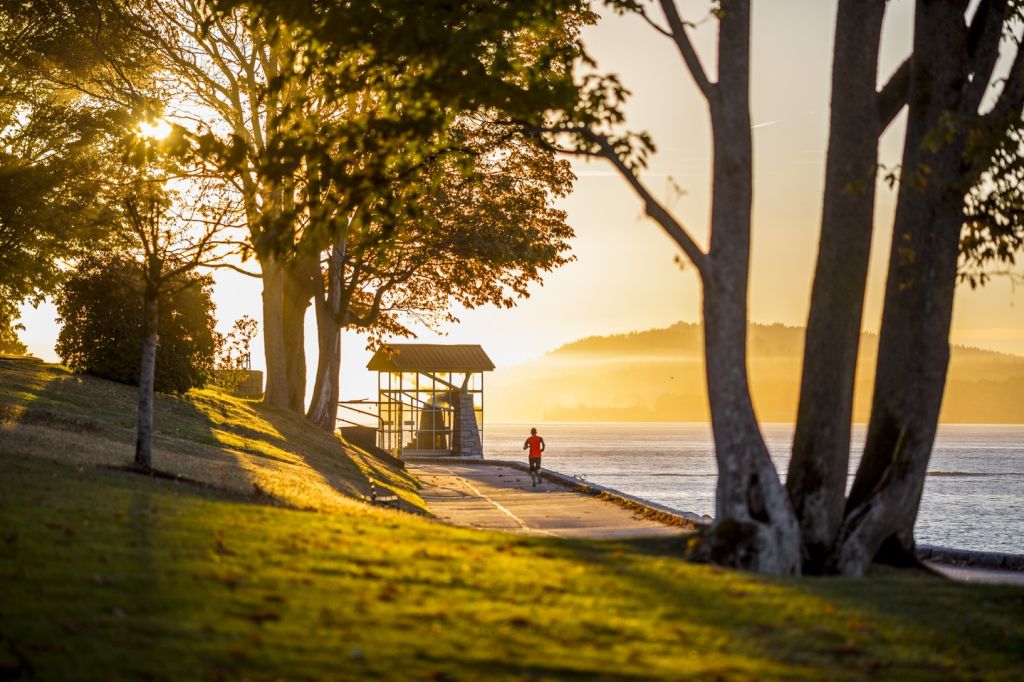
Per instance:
x=534, y=443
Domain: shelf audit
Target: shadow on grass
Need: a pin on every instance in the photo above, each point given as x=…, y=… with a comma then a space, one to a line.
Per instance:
x=902, y=624
x=51, y=412
x=205, y=436
x=152, y=578
x=156, y=572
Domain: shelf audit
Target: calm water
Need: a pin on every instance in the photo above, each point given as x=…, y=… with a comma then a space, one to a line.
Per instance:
x=973, y=497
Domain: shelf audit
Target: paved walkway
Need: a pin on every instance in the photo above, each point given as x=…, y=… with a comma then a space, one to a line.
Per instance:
x=502, y=498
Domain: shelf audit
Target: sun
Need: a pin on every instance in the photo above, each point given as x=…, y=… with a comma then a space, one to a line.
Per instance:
x=157, y=129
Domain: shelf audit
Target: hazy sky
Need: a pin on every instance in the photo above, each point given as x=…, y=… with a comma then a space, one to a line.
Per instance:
x=625, y=277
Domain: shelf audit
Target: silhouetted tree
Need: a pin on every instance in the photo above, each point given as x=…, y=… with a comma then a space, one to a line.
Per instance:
x=9, y=342
x=948, y=150
x=961, y=163
x=169, y=239
x=755, y=527
x=821, y=443
x=818, y=470
x=234, y=357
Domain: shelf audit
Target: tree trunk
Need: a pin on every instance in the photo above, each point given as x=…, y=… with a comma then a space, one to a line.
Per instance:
x=293, y=321
x=821, y=443
x=147, y=378
x=276, y=392
x=754, y=528
x=913, y=353
x=323, y=408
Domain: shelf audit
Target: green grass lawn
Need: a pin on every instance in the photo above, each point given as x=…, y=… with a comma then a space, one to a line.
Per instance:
x=206, y=436
x=110, y=575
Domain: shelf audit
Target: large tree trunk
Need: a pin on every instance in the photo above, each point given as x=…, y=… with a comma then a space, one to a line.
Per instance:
x=276, y=391
x=286, y=295
x=147, y=378
x=754, y=528
x=293, y=322
x=913, y=352
x=323, y=408
x=821, y=443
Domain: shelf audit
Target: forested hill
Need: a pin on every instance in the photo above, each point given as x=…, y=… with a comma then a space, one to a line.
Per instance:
x=657, y=375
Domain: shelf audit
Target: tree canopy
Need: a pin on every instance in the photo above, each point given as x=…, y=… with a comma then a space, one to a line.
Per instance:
x=57, y=140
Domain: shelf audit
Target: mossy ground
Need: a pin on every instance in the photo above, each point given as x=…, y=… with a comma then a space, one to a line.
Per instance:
x=106, y=574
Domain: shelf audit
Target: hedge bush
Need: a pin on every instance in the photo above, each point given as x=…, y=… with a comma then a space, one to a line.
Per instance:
x=100, y=307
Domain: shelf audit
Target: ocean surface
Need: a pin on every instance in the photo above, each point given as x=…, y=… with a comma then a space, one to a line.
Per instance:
x=973, y=496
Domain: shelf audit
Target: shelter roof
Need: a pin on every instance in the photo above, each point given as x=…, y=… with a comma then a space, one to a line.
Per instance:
x=430, y=357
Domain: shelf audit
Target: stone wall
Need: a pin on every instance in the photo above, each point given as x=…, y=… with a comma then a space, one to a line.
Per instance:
x=465, y=431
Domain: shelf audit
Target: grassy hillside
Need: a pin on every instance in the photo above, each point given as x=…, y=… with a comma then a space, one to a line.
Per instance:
x=206, y=436
x=658, y=375
x=106, y=574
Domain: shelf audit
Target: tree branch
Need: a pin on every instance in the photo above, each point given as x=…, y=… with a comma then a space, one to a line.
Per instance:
x=893, y=95
x=642, y=11
x=230, y=266
x=374, y=312
x=1011, y=99
x=686, y=49
x=653, y=208
x=983, y=38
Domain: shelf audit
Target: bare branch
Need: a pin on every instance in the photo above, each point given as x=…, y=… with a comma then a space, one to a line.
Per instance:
x=652, y=207
x=642, y=11
x=893, y=95
x=1011, y=99
x=686, y=49
x=983, y=38
x=231, y=266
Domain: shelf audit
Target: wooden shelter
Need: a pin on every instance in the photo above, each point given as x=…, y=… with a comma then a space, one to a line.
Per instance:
x=430, y=399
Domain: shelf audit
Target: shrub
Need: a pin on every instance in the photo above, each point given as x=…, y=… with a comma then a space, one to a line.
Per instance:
x=10, y=344
x=100, y=307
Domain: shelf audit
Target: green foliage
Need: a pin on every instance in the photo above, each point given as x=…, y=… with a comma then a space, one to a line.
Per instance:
x=58, y=136
x=9, y=342
x=402, y=77
x=100, y=307
x=993, y=233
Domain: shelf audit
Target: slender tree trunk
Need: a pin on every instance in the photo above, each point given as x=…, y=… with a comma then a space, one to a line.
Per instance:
x=913, y=357
x=913, y=352
x=147, y=378
x=821, y=444
x=754, y=528
x=323, y=408
x=276, y=392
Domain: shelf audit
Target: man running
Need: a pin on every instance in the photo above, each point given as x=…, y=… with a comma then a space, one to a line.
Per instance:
x=535, y=444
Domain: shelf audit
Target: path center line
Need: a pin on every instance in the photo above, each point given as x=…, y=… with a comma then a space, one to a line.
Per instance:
x=500, y=507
